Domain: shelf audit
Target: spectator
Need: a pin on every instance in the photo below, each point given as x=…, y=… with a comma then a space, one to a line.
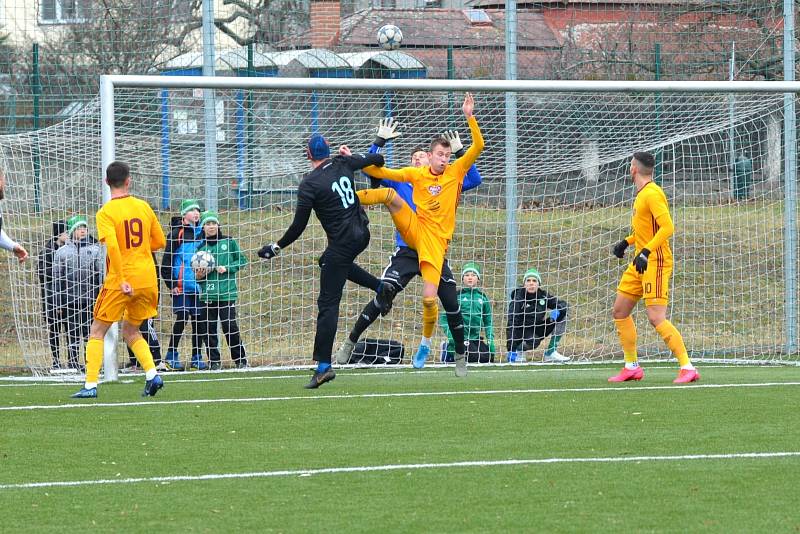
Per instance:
x=77, y=272
x=476, y=310
x=219, y=291
x=53, y=310
x=534, y=314
x=182, y=242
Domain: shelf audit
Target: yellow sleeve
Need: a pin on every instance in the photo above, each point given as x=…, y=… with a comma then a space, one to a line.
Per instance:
x=660, y=211
x=157, y=238
x=107, y=233
x=406, y=174
x=471, y=155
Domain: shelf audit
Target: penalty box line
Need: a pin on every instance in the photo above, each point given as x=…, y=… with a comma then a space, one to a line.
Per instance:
x=609, y=389
x=401, y=467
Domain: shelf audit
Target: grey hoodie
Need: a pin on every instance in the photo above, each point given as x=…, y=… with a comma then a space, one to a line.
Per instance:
x=77, y=270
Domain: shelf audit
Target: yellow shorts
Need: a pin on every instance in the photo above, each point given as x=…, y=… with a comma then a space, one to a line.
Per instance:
x=113, y=305
x=653, y=285
x=430, y=248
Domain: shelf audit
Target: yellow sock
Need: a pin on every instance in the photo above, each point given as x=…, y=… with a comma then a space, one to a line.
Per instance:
x=142, y=352
x=674, y=341
x=94, y=359
x=430, y=311
x=626, y=330
x=384, y=195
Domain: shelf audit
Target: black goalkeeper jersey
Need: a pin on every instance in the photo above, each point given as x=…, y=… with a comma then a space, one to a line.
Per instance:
x=330, y=191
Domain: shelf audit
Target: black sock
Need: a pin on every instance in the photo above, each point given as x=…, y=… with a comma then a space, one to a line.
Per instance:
x=367, y=316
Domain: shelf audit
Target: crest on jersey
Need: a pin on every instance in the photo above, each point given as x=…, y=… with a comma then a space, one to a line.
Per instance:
x=434, y=189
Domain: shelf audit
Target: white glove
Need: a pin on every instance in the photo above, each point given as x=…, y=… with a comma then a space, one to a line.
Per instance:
x=455, y=142
x=387, y=129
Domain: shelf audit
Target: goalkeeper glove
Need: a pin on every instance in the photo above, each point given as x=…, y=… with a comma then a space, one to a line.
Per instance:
x=268, y=252
x=555, y=314
x=455, y=142
x=387, y=129
x=620, y=248
x=640, y=261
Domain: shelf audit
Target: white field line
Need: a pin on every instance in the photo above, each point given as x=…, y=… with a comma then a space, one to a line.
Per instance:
x=224, y=376
x=402, y=467
x=608, y=389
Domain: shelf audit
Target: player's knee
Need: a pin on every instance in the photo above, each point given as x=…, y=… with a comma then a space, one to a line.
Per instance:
x=428, y=302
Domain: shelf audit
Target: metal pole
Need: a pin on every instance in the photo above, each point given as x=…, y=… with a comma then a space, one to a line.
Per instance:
x=37, y=163
x=657, y=76
x=732, y=108
x=107, y=155
x=790, y=178
x=512, y=237
x=209, y=107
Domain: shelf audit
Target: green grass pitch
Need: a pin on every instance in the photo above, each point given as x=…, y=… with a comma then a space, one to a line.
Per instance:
x=508, y=449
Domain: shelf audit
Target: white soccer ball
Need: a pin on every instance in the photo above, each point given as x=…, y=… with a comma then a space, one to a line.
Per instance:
x=390, y=37
x=203, y=259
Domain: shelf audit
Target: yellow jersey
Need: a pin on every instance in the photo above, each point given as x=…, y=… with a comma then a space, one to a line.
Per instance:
x=437, y=196
x=131, y=232
x=651, y=222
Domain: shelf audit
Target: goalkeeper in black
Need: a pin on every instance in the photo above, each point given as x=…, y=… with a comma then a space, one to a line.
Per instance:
x=329, y=190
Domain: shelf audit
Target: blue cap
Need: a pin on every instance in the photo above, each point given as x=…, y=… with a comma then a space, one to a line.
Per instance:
x=318, y=147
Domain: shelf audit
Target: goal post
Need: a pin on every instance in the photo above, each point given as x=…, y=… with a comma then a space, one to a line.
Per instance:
x=556, y=194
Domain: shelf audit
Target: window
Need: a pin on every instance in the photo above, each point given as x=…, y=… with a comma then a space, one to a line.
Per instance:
x=61, y=11
x=477, y=17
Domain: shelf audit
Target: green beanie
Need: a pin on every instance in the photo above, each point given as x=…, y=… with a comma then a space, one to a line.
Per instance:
x=532, y=273
x=471, y=267
x=209, y=216
x=75, y=221
x=189, y=205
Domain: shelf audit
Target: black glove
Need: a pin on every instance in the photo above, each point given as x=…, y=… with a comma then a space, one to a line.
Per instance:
x=620, y=248
x=640, y=261
x=268, y=252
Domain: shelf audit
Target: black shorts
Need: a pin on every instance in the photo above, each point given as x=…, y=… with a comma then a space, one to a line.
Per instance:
x=404, y=266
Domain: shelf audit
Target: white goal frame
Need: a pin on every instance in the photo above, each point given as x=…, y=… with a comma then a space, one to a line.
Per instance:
x=109, y=83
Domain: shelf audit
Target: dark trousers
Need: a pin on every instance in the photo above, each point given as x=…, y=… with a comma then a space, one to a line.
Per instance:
x=181, y=318
x=529, y=338
x=335, y=264
x=225, y=312
x=56, y=323
x=148, y=331
x=78, y=319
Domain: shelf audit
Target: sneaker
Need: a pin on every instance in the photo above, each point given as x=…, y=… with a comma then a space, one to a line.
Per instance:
x=386, y=297
x=555, y=357
x=216, y=366
x=320, y=378
x=198, y=365
x=130, y=367
x=628, y=374
x=461, y=365
x=242, y=364
x=174, y=365
x=418, y=361
x=151, y=387
x=687, y=375
x=84, y=393
x=161, y=366
x=344, y=352
x=512, y=356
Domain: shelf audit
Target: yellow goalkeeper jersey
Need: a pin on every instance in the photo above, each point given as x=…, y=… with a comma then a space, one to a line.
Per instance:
x=651, y=222
x=437, y=196
x=129, y=225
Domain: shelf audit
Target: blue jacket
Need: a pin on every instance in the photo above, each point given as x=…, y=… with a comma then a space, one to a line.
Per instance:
x=472, y=180
x=182, y=242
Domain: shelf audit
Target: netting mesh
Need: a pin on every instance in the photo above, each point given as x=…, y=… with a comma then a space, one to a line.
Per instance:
x=719, y=161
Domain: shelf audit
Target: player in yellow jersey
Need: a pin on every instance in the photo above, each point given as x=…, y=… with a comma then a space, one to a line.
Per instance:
x=437, y=191
x=131, y=233
x=648, y=276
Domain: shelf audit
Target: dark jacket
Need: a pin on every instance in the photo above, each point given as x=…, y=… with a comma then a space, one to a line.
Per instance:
x=44, y=269
x=529, y=314
x=222, y=287
x=182, y=242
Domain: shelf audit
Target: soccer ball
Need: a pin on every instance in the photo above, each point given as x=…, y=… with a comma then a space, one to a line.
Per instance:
x=203, y=259
x=390, y=37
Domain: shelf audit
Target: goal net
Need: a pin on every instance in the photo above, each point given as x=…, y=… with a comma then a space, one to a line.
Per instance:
x=720, y=160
